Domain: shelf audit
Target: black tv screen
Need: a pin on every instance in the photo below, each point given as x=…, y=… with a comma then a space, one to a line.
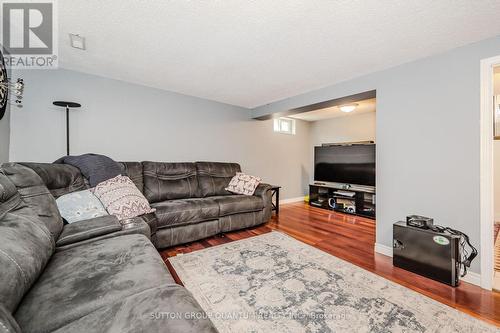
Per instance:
x=350, y=164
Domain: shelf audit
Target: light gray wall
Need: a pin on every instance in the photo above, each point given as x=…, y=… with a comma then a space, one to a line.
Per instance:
x=350, y=128
x=427, y=137
x=5, y=136
x=133, y=122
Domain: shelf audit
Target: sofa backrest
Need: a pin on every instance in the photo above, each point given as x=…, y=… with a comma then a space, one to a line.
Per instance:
x=134, y=171
x=26, y=245
x=34, y=192
x=167, y=181
x=158, y=181
x=60, y=179
x=213, y=177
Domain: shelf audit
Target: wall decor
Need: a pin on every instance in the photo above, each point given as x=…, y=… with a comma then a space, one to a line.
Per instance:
x=4, y=90
x=15, y=89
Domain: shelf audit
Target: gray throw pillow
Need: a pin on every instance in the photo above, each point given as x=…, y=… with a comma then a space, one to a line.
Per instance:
x=81, y=205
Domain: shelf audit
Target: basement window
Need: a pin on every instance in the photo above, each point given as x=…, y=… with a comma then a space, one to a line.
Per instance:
x=284, y=125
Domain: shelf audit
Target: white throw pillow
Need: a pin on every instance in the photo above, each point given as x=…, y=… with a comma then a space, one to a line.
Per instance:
x=243, y=184
x=81, y=205
x=122, y=198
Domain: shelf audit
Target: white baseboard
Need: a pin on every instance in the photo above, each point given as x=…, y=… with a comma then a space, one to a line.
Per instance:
x=290, y=200
x=471, y=277
x=383, y=249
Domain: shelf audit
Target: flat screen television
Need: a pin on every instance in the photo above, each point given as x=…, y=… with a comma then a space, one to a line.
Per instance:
x=346, y=164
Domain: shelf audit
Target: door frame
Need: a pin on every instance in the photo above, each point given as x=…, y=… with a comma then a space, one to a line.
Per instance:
x=486, y=194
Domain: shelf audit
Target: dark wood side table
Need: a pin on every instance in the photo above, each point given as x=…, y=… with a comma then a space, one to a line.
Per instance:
x=275, y=193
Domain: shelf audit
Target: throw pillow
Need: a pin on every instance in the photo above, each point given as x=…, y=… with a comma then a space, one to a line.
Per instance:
x=122, y=198
x=81, y=205
x=243, y=184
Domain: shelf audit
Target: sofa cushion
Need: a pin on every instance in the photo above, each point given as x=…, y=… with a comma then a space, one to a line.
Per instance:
x=214, y=177
x=122, y=198
x=185, y=211
x=80, y=205
x=107, y=271
x=148, y=311
x=34, y=192
x=26, y=245
x=7, y=323
x=234, y=204
x=60, y=179
x=168, y=181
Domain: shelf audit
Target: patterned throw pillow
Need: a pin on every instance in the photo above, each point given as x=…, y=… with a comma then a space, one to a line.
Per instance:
x=81, y=205
x=122, y=198
x=243, y=184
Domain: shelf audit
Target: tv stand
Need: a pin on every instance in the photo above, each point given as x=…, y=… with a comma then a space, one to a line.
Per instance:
x=344, y=198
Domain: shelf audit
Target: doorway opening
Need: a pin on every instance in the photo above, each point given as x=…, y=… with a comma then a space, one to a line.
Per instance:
x=490, y=173
x=496, y=177
x=343, y=158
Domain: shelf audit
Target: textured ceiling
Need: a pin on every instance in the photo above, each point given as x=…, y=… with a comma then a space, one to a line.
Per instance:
x=364, y=106
x=251, y=53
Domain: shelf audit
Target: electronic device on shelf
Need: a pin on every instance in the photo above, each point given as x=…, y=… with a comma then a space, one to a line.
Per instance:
x=346, y=205
x=349, y=164
x=344, y=175
x=345, y=193
x=419, y=221
x=440, y=253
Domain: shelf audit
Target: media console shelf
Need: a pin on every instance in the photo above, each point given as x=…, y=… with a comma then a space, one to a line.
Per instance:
x=343, y=198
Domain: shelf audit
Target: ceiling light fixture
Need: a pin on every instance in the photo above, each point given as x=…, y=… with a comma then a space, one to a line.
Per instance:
x=348, y=108
x=77, y=41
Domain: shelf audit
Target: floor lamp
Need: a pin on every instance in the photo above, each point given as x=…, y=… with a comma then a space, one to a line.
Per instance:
x=67, y=105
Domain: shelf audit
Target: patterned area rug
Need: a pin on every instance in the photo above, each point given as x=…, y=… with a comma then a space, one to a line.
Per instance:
x=274, y=283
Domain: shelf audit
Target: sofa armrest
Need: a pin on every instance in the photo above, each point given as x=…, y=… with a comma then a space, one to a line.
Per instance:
x=151, y=220
x=91, y=228
x=135, y=226
x=262, y=190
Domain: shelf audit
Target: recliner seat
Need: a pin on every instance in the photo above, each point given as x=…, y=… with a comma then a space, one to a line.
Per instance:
x=191, y=199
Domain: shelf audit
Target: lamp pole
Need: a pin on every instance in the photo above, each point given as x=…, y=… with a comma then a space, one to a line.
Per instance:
x=67, y=105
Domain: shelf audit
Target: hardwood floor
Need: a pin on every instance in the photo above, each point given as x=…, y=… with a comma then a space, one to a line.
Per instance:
x=352, y=238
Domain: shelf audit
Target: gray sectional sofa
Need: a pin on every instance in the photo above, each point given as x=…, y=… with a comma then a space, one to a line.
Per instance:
x=190, y=198
x=105, y=275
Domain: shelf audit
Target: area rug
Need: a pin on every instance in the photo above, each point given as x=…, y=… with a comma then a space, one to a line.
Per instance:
x=274, y=283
